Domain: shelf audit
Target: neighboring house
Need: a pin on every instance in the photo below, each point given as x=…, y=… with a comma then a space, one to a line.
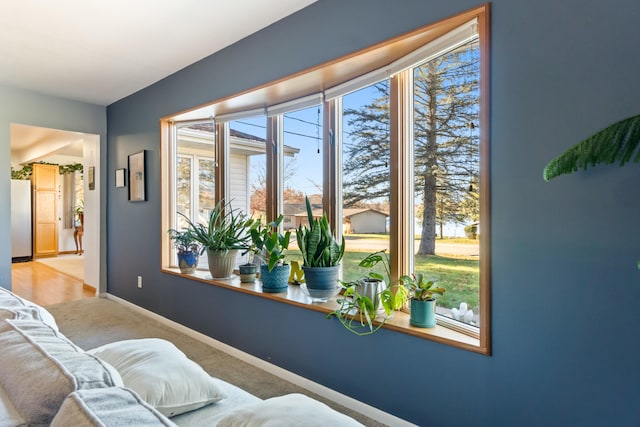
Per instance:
x=196, y=141
x=300, y=216
x=364, y=220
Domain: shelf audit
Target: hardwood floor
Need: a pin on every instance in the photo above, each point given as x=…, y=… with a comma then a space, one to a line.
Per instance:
x=46, y=286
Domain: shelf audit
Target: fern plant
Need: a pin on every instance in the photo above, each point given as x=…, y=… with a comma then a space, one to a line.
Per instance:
x=619, y=142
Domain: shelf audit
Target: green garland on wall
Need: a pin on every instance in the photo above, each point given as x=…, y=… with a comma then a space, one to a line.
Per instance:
x=27, y=170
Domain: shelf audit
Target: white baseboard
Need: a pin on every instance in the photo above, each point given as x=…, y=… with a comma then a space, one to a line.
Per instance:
x=319, y=389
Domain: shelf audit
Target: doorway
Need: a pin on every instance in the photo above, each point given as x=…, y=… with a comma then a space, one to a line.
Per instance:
x=33, y=144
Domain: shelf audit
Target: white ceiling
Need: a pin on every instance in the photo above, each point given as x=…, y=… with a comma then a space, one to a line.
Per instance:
x=100, y=51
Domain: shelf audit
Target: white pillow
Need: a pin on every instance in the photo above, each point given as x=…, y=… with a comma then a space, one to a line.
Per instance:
x=288, y=410
x=161, y=374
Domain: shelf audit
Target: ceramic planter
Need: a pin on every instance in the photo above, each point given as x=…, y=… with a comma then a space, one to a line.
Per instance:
x=276, y=280
x=221, y=263
x=247, y=273
x=321, y=283
x=188, y=261
x=371, y=288
x=423, y=313
x=321, y=277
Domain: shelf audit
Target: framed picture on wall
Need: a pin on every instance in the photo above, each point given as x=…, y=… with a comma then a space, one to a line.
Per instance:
x=120, y=178
x=137, y=177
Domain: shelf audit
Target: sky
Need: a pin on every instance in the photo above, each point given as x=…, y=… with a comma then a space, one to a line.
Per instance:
x=303, y=130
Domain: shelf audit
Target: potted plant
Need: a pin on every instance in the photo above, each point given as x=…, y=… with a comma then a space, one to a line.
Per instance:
x=270, y=245
x=321, y=255
x=365, y=298
x=226, y=232
x=248, y=271
x=423, y=304
x=187, y=248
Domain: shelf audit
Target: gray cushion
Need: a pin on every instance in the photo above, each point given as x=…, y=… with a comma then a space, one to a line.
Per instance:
x=24, y=309
x=41, y=367
x=107, y=407
x=9, y=415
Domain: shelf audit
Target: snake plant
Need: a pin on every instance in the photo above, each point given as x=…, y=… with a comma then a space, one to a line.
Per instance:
x=317, y=243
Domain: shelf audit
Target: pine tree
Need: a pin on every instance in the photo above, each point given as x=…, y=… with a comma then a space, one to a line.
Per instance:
x=446, y=144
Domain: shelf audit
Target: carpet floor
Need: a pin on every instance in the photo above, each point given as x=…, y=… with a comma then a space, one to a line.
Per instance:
x=96, y=321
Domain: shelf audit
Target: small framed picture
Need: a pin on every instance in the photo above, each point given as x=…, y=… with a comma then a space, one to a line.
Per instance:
x=92, y=177
x=120, y=178
x=137, y=177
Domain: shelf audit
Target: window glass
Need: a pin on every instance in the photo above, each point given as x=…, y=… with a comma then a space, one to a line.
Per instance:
x=247, y=169
x=446, y=172
x=206, y=188
x=195, y=175
x=247, y=165
x=183, y=189
x=302, y=158
x=436, y=171
x=365, y=176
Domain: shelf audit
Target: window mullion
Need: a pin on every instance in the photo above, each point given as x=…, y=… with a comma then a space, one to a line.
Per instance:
x=220, y=158
x=401, y=118
x=332, y=161
x=273, y=148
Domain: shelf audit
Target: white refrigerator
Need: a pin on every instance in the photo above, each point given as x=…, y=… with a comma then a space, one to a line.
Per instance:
x=20, y=220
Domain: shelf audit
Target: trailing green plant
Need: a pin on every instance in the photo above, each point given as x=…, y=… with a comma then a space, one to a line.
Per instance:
x=24, y=173
x=71, y=168
x=227, y=229
x=183, y=241
x=420, y=288
x=399, y=293
x=357, y=312
x=27, y=170
x=619, y=142
x=317, y=243
x=269, y=244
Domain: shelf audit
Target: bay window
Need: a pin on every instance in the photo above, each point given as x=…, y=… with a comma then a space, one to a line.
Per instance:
x=394, y=149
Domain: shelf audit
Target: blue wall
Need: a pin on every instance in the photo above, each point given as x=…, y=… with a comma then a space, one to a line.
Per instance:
x=35, y=109
x=565, y=285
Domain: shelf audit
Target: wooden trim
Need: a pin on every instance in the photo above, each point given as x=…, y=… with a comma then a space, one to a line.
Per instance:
x=168, y=153
x=484, y=26
x=273, y=167
x=328, y=74
x=220, y=158
x=296, y=297
x=331, y=163
x=401, y=117
x=346, y=68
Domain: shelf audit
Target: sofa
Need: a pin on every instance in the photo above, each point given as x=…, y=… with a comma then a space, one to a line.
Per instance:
x=47, y=380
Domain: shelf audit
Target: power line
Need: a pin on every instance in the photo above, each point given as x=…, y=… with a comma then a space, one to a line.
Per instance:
x=315, y=138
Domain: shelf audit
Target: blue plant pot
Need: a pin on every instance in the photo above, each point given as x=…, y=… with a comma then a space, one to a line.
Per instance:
x=247, y=272
x=276, y=280
x=323, y=278
x=188, y=261
x=423, y=313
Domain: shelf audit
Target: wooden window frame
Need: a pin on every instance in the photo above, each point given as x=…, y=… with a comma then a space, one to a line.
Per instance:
x=335, y=73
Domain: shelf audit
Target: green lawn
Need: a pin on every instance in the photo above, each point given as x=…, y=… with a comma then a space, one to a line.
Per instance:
x=458, y=275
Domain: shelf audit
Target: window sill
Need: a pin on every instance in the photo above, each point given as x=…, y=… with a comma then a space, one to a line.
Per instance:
x=295, y=296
